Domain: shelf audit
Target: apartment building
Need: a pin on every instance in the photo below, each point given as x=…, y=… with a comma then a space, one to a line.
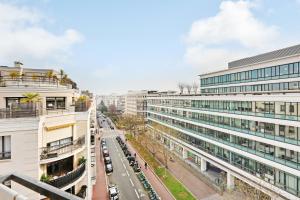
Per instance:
x=45, y=131
x=245, y=123
x=136, y=103
x=114, y=99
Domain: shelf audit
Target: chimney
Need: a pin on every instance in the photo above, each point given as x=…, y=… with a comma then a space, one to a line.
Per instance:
x=18, y=64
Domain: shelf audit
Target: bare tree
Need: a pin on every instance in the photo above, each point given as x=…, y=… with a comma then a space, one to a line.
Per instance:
x=195, y=87
x=189, y=88
x=181, y=87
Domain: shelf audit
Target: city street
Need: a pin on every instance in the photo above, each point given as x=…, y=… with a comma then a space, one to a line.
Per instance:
x=123, y=176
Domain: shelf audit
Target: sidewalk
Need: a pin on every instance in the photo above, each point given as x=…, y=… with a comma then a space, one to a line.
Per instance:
x=199, y=188
x=161, y=190
x=99, y=189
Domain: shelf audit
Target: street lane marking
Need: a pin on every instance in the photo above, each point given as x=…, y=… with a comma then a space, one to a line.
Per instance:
x=127, y=172
x=131, y=182
x=124, y=166
x=137, y=194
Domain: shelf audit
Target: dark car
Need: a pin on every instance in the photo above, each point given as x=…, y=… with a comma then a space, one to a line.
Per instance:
x=109, y=168
x=130, y=159
x=127, y=153
x=107, y=160
x=136, y=167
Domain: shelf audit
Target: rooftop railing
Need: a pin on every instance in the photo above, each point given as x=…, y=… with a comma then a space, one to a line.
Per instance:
x=37, y=81
x=57, y=150
x=69, y=178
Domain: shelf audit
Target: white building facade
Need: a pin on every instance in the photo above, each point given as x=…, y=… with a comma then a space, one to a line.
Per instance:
x=136, y=102
x=48, y=141
x=245, y=122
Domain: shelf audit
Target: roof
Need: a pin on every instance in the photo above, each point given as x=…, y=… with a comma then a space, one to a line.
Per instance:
x=277, y=54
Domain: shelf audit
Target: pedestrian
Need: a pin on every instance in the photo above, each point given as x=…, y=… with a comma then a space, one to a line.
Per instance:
x=134, y=155
x=146, y=165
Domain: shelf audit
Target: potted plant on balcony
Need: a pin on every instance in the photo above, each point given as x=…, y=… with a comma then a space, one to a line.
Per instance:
x=14, y=75
x=34, y=77
x=45, y=178
x=49, y=75
x=31, y=99
x=81, y=160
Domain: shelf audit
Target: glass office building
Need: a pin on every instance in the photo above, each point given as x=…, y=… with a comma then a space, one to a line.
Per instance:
x=246, y=121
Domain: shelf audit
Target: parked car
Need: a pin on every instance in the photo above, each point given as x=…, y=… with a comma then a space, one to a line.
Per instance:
x=130, y=159
x=136, y=167
x=113, y=192
x=104, y=147
x=127, y=153
x=107, y=160
x=108, y=168
x=105, y=153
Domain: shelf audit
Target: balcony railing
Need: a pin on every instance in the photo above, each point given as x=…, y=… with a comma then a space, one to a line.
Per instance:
x=5, y=155
x=69, y=178
x=18, y=113
x=38, y=81
x=82, y=106
x=55, y=151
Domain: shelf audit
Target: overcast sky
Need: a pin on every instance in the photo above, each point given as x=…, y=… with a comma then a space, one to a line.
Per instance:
x=119, y=45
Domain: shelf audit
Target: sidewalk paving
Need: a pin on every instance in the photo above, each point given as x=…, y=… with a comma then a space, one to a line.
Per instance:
x=100, y=188
x=196, y=186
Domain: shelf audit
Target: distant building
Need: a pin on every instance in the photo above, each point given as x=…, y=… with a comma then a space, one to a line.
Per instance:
x=136, y=103
x=114, y=99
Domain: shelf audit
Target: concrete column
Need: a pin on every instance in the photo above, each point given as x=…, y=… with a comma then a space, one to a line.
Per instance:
x=203, y=165
x=171, y=146
x=184, y=153
x=230, y=181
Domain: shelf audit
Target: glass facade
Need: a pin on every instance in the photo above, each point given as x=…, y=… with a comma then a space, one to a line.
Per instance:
x=280, y=155
x=282, y=133
x=276, y=177
x=290, y=70
x=270, y=87
x=268, y=109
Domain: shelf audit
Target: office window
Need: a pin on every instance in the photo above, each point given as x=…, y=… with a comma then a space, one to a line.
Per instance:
x=284, y=70
x=5, y=147
x=296, y=68
x=293, y=85
x=254, y=74
x=268, y=72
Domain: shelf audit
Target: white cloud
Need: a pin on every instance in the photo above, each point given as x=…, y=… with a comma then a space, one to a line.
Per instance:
x=23, y=37
x=232, y=33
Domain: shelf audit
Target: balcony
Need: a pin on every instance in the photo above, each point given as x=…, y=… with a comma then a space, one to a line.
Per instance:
x=65, y=149
x=69, y=178
x=36, y=81
x=82, y=106
x=33, y=185
x=5, y=155
x=18, y=113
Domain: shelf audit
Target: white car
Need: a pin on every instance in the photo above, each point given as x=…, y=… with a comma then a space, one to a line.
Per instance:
x=113, y=192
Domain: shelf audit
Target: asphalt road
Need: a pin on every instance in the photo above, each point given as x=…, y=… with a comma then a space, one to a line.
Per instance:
x=123, y=175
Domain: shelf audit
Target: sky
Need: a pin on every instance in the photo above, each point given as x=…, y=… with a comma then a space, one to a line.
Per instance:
x=119, y=45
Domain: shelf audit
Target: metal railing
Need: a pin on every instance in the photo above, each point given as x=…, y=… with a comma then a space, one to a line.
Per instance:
x=18, y=113
x=5, y=155
x=55, y=151
x=69, y=178
x=38, y=81
x=35, y=112
x=39, y=187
